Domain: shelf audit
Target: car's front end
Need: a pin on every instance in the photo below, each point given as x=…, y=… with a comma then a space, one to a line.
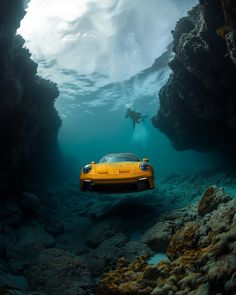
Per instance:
x=118, y=176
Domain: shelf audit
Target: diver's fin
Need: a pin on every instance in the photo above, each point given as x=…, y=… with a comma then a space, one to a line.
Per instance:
x=144, y=117
x=133, y=124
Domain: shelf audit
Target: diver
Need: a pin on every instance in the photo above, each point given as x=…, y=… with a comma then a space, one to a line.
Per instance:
x=136, y=117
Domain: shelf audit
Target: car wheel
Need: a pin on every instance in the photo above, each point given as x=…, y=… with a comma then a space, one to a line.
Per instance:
x=87, y=186
x=142, y=185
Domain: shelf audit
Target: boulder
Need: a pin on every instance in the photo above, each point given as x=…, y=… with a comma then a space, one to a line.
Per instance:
x=31, y=234
x=20, y=256
x=133, y=249
x=95, y=264
x=158, y=236
x=10, y=213
x=54, y=227
x=104, y=257
x=103, y=230
x=55, y=272
x=30, y=204
x=211, y=199
x=112, y=249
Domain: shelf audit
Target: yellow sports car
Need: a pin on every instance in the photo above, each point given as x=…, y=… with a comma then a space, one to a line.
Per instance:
x=117, y=172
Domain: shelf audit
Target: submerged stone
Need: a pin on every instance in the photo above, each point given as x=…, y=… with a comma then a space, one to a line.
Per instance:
x=211, y=199
x=55, y=272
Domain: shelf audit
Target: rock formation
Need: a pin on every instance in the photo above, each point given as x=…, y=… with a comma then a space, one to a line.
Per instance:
x=197, y=104
x=57, y=243
x=201, y=256
x=28, y=120
x=49, y=246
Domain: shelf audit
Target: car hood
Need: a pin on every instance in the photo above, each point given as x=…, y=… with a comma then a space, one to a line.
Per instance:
x=116, y=168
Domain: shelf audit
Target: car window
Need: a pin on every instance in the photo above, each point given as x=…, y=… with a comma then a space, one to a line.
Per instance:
x=119, y=158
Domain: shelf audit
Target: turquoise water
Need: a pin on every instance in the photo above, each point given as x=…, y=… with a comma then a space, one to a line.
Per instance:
x=106, y=132
x=101, y=70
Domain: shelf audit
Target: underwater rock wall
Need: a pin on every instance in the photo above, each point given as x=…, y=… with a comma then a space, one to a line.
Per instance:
x=197, y=104
x=28, y=120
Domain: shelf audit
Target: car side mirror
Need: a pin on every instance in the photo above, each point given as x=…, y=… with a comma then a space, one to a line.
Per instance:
x=93, y=162
x=145, y=160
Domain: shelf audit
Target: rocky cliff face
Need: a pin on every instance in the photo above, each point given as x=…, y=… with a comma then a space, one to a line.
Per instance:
x=28, y=120
x=197, y=105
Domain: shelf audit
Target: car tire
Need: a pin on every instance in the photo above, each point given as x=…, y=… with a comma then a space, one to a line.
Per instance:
x=142, y=185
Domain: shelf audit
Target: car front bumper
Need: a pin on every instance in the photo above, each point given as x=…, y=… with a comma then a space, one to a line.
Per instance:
x=130, y=184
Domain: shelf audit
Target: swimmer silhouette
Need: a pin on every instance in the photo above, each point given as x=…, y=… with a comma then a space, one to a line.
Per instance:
x=136, y=117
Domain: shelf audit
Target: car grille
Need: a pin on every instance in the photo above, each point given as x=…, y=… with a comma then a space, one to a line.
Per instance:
x=117, y=187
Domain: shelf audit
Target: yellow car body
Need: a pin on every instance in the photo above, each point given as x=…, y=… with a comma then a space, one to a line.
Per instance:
x=125, y=175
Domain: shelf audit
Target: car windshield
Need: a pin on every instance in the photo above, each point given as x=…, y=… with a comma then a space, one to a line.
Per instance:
x=119, y=158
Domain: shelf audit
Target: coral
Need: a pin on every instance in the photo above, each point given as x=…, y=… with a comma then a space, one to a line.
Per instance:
x=125, y=279
x=211, y=199
x=202, y=259
x=184, y=239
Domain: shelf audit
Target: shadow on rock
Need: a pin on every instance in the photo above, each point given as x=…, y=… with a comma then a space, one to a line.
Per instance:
x=131, y=208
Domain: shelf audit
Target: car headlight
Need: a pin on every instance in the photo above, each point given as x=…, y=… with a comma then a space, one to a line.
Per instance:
x=86, y=169
x=144, y=166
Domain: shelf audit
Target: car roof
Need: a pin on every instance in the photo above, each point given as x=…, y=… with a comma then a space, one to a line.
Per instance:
x=115, y=154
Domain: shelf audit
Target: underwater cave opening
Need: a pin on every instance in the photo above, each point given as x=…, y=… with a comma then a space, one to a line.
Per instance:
x=93, y=100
